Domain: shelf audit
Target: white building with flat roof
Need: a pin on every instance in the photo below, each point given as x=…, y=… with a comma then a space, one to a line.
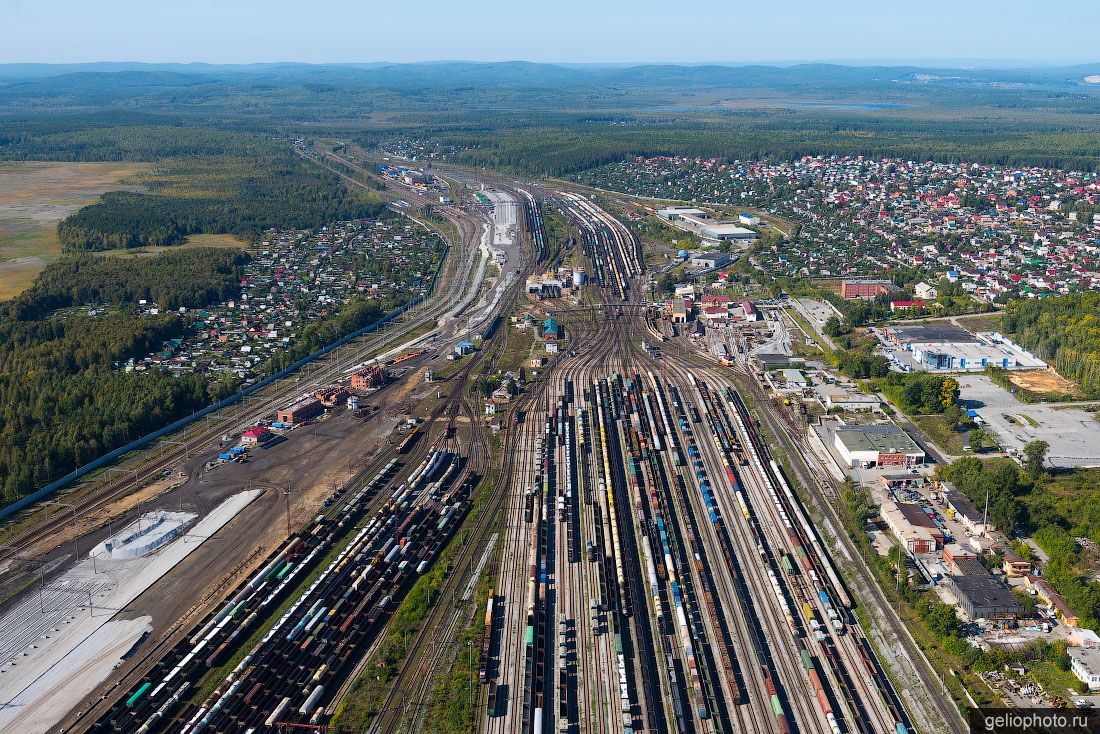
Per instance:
x=795, y=378
x=1085, y=664
x=703, y=224
x=710, y=260
x=676, y=213
x=851, y=401
x=721, y=231
x=884, y=445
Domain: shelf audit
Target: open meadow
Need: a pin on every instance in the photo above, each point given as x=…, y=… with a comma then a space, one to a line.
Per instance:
x=34, y=197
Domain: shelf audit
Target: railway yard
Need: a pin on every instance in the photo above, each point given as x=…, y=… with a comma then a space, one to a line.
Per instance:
x=651, y=566
x=662, y=575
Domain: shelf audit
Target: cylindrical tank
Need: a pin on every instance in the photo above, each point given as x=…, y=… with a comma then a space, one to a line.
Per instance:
x=579, y=278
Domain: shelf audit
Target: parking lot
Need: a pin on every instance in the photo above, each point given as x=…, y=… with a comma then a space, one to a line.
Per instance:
x=1073, y=434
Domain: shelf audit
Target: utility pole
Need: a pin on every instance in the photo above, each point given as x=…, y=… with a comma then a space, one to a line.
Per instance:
x=286, y=493
x=985, y=515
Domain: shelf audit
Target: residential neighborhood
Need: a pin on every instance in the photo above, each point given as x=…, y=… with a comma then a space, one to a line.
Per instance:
x=999, y=232
x=297, y=278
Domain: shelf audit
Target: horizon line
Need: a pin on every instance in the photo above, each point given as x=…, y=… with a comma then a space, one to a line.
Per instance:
x=869, y=61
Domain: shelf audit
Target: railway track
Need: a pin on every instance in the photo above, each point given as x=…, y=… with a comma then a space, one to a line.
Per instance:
x=259, y=406
x=375, y=502
x=478, y=454
x=771, y=645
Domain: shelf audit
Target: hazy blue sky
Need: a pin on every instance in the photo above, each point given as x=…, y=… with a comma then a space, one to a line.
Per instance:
x=241, y=31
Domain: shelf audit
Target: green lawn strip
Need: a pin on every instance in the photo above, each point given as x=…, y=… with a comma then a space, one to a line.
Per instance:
x=368, y=692
x=452, y=707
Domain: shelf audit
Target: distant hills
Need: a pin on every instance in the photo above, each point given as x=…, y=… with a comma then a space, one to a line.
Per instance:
x=520, y=85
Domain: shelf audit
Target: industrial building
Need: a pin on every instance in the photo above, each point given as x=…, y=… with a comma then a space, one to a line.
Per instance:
x=300, y=411
x=331, y=395
x=703, y=224
x=911, y=526
x=710, y=260
x=962, y=566
x=770, y=361
x=368, y=377
x=865, y=288
x=886, y=445
x=1085, y=664
x=904, y=336
x=956, y=349
x=725, y=231
x=1050, y=596
x=255, y=436
x=985, y=597
x=851, y=401
x=955, y=556
x=795, y=378
x=683, y=213
x=963, y=509
x=908, y=480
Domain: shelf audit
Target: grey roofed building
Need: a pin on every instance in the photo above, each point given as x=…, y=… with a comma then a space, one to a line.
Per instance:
x=931, y=335
x=985, y=597
x=968, y=514
x=868, y=446
x=768, y=361
x=887, y=439
x=1085, y=664
x=970, y=567
x=710, y=260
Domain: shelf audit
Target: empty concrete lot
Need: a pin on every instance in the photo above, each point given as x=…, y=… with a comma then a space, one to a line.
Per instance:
x=1073, y=435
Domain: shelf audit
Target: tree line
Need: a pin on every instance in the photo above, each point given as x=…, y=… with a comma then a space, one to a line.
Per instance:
x=248, y=198
x=1065, y=331
x=62, y=402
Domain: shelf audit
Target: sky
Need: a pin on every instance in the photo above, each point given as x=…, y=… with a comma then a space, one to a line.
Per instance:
x=598, y=31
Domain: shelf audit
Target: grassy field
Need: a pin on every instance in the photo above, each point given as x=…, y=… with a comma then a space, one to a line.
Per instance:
x=34, y=197
x=226, y=241
x=981, y=322
x=941, y=433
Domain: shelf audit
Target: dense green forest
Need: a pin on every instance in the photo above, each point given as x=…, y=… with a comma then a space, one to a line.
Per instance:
x=62, y=403
x=117, y=136
x=207, y=180
x=1065, y=331
x=238, y=195
x=190, y=278
x=342, y=91
x=573, y=149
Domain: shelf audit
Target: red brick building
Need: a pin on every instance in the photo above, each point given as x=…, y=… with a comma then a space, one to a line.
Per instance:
x=865, y=288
